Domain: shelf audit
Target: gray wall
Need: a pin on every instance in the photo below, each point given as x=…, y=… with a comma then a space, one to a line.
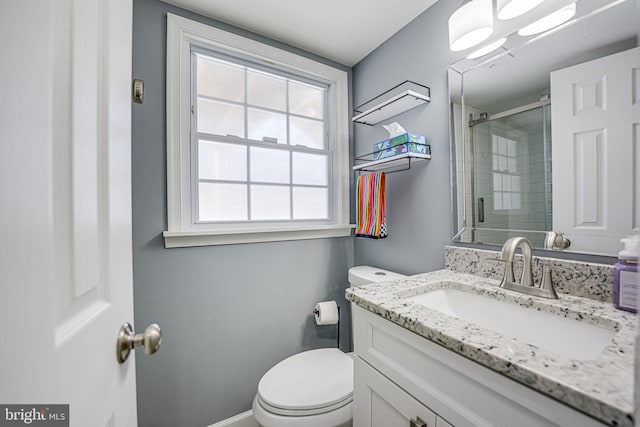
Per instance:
x=228, y=313
x=418, y=200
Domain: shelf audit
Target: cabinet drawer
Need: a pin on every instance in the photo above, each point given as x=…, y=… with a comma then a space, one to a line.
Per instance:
x=380, y=403
x=463, y=392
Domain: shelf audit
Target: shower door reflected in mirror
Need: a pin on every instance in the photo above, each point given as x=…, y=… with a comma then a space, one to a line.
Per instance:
x=512, y=172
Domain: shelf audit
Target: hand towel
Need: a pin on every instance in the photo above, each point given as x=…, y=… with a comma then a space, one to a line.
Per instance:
x=371, y=206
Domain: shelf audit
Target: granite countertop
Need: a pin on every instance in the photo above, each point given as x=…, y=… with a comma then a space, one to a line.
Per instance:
x=601, y=387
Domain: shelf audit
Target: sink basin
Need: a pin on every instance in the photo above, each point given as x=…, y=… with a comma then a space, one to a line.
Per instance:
x=553, y=333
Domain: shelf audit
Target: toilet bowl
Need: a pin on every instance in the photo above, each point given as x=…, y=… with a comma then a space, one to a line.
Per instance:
x=313, y=388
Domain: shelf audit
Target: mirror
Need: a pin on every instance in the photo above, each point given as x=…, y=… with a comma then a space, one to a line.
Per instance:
x=543, y=132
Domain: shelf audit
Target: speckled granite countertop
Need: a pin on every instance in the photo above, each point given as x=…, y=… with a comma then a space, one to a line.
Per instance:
x=602, y=387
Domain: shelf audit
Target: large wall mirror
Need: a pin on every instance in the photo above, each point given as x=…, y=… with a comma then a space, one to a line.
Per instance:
x=545, y=135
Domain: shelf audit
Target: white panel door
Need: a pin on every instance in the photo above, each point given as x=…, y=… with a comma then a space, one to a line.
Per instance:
x=65, y=220
x=595, y=113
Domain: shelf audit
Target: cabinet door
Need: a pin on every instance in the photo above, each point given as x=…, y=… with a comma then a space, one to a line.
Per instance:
x=380, y=403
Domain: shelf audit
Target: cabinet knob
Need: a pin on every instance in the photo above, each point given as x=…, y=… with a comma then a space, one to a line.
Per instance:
x=417, y=422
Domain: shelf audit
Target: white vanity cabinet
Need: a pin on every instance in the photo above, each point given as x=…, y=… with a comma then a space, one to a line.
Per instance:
x=400, y=376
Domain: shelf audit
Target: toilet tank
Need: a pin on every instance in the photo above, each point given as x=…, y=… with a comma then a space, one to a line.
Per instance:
x=364, y=274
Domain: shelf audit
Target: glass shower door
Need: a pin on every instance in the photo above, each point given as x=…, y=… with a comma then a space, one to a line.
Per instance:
x=511, y=167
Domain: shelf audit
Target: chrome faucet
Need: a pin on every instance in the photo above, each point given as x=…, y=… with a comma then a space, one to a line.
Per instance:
x=526, y=285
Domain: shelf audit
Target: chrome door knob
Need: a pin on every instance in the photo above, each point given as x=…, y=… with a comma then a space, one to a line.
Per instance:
x=128, y=340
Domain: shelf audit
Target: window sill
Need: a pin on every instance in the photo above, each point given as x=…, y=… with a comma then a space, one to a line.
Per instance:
x=185, y=239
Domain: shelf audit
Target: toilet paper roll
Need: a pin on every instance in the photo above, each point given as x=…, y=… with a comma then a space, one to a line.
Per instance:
x=326, y=313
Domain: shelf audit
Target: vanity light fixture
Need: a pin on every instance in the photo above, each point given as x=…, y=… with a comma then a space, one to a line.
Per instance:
x=509, y=9
x=550, y=21
x=471, y=24
x=487, y=49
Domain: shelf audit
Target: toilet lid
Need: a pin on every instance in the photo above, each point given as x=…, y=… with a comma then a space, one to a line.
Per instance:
x=308, y=381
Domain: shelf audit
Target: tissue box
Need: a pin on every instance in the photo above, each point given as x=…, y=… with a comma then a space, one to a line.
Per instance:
x=405, y=143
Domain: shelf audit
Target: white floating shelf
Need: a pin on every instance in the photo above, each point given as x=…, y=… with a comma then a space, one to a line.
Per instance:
x=402, y=160
x=404, y=101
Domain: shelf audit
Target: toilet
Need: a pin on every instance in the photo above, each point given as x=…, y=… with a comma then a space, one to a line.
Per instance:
x=313, y=388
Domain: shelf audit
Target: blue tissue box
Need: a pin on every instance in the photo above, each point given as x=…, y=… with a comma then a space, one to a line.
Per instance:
x=405, y=143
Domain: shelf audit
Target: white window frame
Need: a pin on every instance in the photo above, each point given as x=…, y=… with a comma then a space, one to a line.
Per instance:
x=181, y=34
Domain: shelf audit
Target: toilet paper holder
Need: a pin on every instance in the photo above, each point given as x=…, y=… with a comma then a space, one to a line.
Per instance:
x=315, y=313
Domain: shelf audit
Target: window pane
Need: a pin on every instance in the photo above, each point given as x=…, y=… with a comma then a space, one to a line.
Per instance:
x=497, y=182
x=217, y=160
x=310, y=169
x=266, y=123
x=502, y=146
x=515, y=201
x=502, y=163
x=506, y=182
x=306, y=132
x=222, y=202
x=220, y=118
x=306, y=100
x=497, y=201
x=270, y=202
x=264, y=90
x=310, y=203
x=269, y=165
x=506, y=201
x=515, y=183
x=220, y=79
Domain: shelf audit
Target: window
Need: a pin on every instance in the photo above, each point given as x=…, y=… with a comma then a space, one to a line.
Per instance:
x=268, y=158
x=257, y=141
x=507, y=186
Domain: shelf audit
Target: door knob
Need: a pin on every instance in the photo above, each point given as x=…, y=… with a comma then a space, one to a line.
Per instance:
x=128, y=340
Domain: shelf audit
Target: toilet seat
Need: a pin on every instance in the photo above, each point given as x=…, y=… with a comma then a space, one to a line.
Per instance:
x=309, y=383
x=342, y=417
x=302, y=412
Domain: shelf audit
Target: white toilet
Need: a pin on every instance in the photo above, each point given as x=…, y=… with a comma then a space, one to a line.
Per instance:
x=313, y=388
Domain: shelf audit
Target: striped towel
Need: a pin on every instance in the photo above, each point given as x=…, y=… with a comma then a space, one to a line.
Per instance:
x=371, y=201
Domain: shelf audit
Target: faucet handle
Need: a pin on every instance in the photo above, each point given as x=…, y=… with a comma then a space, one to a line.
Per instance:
x=546, y=283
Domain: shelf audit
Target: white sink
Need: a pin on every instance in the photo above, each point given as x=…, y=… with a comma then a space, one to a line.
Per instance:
x=553, y=333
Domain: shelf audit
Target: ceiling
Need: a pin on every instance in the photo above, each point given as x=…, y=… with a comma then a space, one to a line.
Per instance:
x=343, y=31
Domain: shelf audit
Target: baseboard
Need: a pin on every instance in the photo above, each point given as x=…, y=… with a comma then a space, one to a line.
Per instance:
x=241, y=420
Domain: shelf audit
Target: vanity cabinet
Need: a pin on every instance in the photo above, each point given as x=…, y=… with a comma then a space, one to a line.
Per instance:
x=400, y=376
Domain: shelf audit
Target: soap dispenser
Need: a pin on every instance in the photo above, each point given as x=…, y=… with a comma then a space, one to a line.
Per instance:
x=625, y=283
